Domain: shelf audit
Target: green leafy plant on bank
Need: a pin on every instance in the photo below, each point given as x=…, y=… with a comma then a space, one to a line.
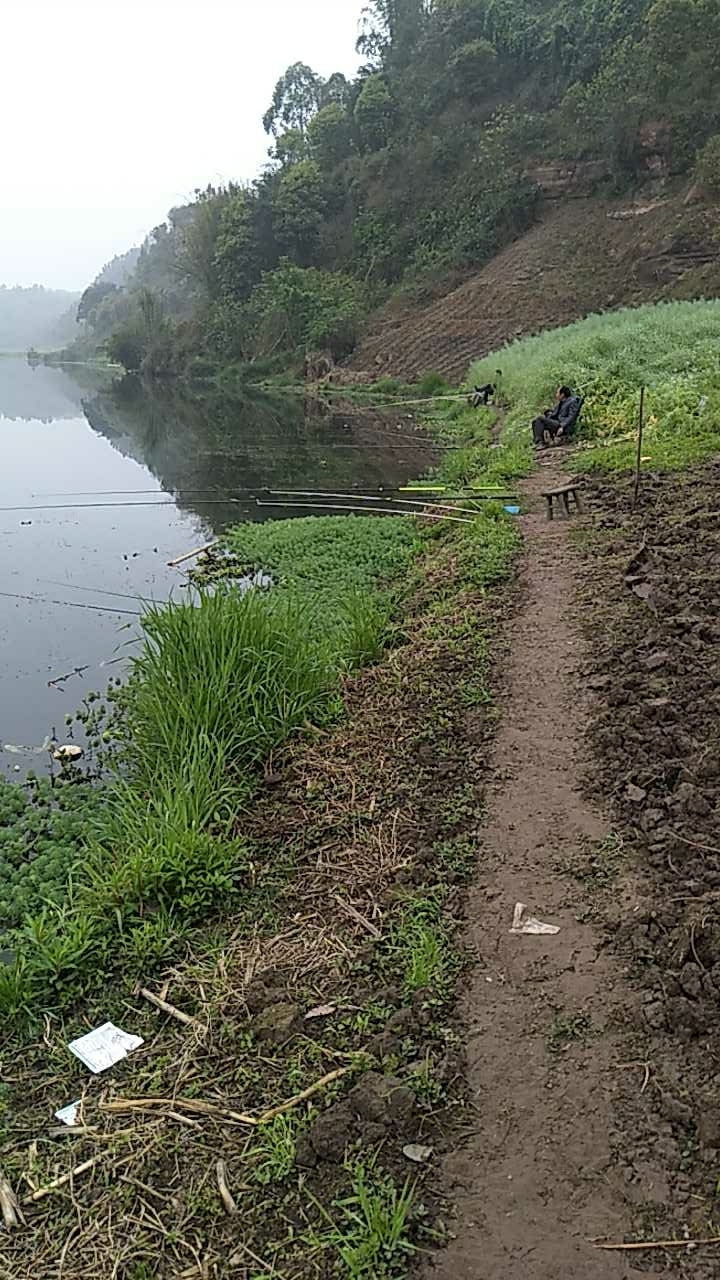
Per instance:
x=217, y=684
x=670, y=348
x=371, y=1233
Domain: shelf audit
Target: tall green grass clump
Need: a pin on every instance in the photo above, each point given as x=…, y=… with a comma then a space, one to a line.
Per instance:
x=217, y=684
x=670, y=348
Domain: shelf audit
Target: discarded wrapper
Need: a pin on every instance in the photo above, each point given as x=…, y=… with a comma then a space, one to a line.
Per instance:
x=322, y=1011
x=417, y=1153
x=531, y=926
x=68, y=1115
x=102, y=1048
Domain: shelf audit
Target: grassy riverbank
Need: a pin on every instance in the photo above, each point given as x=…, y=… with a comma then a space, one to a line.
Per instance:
x=217, y=686
x=670, y=348
x=306, y=928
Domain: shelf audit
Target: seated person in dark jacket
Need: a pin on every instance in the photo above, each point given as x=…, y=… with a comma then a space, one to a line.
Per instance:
x=559, y=421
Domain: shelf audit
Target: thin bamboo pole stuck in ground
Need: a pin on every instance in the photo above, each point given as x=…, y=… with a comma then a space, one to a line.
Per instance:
x=638, y=461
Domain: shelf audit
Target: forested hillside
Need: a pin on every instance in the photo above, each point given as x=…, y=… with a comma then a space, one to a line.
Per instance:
x=35, y=317
x=417, y=171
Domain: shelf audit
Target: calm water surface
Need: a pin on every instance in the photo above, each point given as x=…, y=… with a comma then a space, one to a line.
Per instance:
x=101, y=484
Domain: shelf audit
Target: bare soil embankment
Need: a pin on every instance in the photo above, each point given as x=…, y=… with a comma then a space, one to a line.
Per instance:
x=585, y=255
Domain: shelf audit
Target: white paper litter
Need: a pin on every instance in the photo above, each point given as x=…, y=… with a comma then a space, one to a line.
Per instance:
x=68, y=1115
x=322, y=1011
x=416, y=1153
x=103, y=1047
x=520, y=925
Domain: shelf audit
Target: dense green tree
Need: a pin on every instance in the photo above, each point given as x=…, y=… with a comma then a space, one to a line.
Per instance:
x=708, y=165
x=299, y=208
x=290, y=147
x=374, y=112
x=293, y=308
x=473, y=68
x=391, y=29
x=296, y=98
x=91, y=299
x=336, y=90
x=197, y=240
x=236, y=257
x=127, y=347
x=330, y=135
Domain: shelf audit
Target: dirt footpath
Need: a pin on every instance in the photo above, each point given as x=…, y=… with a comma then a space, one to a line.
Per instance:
x=533, y=1179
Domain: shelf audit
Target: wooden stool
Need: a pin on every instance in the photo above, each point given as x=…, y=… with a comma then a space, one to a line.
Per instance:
x=566, y=495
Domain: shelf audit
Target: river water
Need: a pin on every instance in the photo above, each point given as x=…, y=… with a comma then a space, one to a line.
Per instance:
x=101, y=483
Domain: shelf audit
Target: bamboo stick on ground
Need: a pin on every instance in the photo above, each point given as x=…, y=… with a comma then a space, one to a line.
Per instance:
x=170, y=1009
x=172, y=564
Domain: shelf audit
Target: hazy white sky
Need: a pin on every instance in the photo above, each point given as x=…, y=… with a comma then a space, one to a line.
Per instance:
x=115, y=110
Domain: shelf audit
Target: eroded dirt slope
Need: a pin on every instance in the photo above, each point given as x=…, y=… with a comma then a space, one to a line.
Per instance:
x=585, y=255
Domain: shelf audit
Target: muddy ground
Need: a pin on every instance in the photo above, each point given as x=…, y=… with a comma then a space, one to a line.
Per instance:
x=652, y=618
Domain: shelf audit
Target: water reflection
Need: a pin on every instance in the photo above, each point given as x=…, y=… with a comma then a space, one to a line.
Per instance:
x=214, y=453
x=103, y=483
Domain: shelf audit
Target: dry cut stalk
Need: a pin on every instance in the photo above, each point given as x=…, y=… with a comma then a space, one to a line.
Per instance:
x=267, y=1116
x=177, y=1104
x=199, y=1107
x=229, y=1204
x=171, y=1010
x=66, y=1177
x=354, y=914
x=172, y=564
x=12, y=1214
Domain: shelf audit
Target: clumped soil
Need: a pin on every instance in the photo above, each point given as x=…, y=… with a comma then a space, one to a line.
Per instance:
x=652, y=615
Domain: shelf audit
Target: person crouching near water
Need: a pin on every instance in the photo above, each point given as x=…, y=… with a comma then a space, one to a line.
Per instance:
x=559, y=421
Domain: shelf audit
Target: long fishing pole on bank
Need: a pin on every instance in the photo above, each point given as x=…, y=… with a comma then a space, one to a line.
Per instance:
x=385, y=511
x=69, y=604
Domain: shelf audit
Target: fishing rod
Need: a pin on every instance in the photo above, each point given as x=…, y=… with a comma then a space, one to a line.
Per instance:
x=366, y=497
x=69, y=604
x=98, y=591
x=385, y=511
x=91, y=506
x=329, y=390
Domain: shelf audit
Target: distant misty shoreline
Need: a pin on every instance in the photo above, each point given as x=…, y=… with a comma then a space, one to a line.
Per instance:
x=36, y=317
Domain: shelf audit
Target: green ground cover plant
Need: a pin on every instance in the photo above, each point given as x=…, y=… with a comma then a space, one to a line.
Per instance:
x=42, y=826
x=670, y=348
